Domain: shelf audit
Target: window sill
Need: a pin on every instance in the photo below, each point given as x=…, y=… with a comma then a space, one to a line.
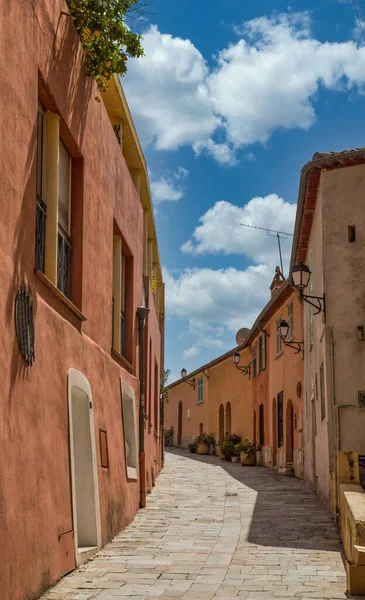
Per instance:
x=279, y=354
x=199, y=403
x=132, y=474
x=48, y=283
x=122, y=361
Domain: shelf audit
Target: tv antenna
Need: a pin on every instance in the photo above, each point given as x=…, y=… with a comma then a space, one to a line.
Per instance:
x=280, y=235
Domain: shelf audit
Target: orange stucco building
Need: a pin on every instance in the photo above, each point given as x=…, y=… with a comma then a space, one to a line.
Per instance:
x=78, y=252
x=277, y=380
x=264, y=402
x=216, y=398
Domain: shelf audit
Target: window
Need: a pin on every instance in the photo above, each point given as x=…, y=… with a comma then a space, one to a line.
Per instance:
x=279, y=341
x=351, y=234
x=261, y=424
x=201, y=428
x=263, y=349
x=291, y=321
x=64, y=215
x=122, y=269
x=200, y=390
x=104, y=456
x=321, y=383
x=254, y=364
x=129, y=429
x=259, y=351
x=41, y=211
x=280, y=399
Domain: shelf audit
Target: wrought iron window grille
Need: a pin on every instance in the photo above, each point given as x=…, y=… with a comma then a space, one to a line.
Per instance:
x=24, y=324
x=40, y=240
x=64, y=250
x=116, y=129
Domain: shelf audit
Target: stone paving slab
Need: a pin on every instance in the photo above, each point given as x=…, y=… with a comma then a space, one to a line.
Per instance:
x=216, y=530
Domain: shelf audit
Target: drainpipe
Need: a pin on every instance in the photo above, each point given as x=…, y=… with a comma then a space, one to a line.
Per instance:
x=162, y=418
x=142, y=313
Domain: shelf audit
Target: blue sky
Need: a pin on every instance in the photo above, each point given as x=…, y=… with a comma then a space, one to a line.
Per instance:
x=229, y=104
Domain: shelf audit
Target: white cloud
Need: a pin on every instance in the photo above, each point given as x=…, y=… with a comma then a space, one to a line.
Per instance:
x=165, y=188
x=167, y=93
x=269, y=79
x=216, y=303
x=181, y=173
x=213, y=300
x=220, y=230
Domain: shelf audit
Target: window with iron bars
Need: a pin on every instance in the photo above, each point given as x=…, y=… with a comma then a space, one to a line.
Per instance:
x=41, y=209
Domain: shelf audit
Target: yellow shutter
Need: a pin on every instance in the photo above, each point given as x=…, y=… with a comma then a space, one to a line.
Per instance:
x=64, y=188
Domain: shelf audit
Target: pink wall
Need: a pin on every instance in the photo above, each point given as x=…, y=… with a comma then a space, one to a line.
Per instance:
x=35, y=485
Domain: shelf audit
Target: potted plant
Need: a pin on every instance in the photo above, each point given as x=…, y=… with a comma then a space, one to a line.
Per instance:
x=203, y=442
x=192, y=447
x=235, y=456
x=226, y=448
x=211, y=442
x=168, y=436
x=247, y=452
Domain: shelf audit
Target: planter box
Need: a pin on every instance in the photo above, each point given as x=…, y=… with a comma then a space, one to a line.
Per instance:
x=355, y=579
x=235, y=459
x=249, y=460
x=203, y=449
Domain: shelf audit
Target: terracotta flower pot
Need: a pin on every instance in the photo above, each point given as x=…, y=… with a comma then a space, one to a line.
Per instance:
x=203, y=449
x=235, y=459
x=248, y=459
x=220, y=454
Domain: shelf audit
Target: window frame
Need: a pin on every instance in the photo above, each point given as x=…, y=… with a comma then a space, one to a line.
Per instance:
x=200, y=390
x=254, y=361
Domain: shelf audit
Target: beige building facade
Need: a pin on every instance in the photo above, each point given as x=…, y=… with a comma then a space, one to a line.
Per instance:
x=329, y=238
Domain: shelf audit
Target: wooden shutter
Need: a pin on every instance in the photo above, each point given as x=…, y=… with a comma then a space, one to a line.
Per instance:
x=263, y=348
x=64, y=187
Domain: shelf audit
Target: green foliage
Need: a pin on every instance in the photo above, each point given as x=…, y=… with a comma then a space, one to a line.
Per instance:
x=168, y=436
x=246, y=446
x=205, y=438
x=165, y=374
x=105, y=37
x=227, y=448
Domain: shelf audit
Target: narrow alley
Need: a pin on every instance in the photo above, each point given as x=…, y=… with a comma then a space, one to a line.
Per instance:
x=217, y=530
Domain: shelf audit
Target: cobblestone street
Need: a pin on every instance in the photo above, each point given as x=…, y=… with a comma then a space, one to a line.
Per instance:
x=217, y=530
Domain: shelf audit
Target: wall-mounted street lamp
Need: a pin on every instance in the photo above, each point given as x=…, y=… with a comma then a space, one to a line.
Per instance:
x=190, y=382
x=236, y=359
x=300, y=274
x=284, y=329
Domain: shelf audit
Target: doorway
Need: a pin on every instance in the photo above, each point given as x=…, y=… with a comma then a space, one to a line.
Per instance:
x=179, y=424
x=274, y=433
x=84, y=477
x=289, y=433
x=221, y=423
x=228, y=419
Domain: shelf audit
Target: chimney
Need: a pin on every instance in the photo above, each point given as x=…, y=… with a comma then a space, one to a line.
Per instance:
x=277, y=282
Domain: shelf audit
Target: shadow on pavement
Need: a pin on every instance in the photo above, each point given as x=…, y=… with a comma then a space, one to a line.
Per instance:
x=287, y=513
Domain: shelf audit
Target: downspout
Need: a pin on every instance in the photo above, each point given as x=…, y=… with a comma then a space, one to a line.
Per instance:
x=142, y=313
x=162, y=418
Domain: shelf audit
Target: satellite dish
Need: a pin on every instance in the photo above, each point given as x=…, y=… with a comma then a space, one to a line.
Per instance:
x=241, y=335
